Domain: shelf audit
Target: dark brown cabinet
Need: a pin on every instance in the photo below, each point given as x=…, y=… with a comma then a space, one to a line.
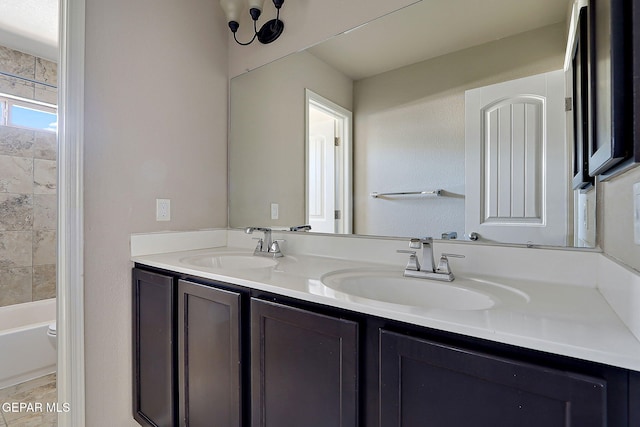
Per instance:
x=304, y=368
x=425, y=383
x=213, y=354
x=189, y=363
x=187, y=368
x=154, y=375
x=605, y=70
x=209, y=362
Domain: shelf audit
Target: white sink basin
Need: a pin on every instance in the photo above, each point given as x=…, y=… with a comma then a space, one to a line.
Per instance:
x=230, y=261
x=390, y=287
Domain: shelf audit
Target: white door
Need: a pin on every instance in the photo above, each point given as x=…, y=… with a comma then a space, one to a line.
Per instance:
x=321, y=171
x=516, y=161
x=328, y=157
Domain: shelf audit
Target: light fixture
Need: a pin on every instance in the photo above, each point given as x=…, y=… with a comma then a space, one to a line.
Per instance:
x=269, y=32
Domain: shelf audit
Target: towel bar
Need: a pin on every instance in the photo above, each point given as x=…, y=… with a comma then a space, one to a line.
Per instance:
x=436, y=193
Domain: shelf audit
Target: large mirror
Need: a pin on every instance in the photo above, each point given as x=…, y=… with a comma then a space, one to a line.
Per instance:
x=446, y=118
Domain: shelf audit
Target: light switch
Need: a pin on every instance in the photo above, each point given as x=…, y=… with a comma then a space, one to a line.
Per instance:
x=636, y=212
x=275, y=211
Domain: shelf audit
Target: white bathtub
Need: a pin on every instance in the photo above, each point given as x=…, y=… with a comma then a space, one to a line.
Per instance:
x=25, y=350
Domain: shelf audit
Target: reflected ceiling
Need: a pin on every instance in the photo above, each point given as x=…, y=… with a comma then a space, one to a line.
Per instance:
x=416, y=33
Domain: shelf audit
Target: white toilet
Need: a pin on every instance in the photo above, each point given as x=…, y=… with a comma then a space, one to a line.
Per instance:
x=53, y=335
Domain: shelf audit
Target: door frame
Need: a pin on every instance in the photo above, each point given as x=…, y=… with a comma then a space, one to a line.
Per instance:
x=70, y=259
x=345, y=226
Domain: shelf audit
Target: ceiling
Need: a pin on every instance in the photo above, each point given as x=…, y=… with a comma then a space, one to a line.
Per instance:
x=30, y=26
x=424, y=30
x=431, y=28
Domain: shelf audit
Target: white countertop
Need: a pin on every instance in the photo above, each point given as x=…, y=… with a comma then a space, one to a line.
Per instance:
x=575, y=321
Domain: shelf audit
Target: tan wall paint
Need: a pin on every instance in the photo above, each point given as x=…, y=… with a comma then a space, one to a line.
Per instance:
x=155, y=127
x=144, y=61
x=394, y=112
x=410, y=124
x=266, y=141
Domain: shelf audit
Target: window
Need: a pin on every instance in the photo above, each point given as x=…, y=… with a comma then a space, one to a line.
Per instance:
x=28, y=114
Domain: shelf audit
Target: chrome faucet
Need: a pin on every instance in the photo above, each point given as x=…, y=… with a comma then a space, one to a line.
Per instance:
x=305, y=227
x=451, y=235
x=427, y=269
x=266, y=246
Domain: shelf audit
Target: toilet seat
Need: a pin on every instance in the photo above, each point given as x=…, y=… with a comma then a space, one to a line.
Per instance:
x=52, y=331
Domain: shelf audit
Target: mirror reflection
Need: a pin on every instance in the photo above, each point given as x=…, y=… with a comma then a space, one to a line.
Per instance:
x=450, y=124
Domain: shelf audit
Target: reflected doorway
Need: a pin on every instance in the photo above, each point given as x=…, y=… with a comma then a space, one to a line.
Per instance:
x=328, y=165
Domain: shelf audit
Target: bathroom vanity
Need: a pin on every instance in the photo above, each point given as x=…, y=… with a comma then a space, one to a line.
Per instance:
x=271, y=345
x=331, y=333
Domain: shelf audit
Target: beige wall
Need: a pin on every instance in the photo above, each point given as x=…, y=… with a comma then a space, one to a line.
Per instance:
x=616, y=224
x=266, y=141
x=410, y=124
x=155, y=127
x=27, y=188
x=399, y=117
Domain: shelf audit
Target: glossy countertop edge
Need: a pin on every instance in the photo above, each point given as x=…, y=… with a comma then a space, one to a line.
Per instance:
x=586, y=329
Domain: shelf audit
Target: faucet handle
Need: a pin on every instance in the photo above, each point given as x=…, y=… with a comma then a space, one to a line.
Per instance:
x=275, y=246
x=413, y=263
x=260, y=243
x=452, y=255
x=443, y=264
x=449, y=235
x=415, y=244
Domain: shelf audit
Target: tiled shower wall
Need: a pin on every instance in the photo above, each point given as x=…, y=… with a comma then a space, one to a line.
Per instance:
x=27, y=188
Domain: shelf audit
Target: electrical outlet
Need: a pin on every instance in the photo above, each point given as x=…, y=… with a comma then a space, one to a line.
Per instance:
x=163, y=209
x=636, y=212
x=275, y=208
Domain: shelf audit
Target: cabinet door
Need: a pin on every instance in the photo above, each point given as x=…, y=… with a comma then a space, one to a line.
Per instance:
x=634, y=398
x=209, y=356
x=154, y=376
x=304, y=368
x=427, y=384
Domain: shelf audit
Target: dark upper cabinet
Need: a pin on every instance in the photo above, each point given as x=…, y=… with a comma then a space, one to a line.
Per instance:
x=209, y=356
x=423, y=383
x=154, y=376
x=580, y=107
x=609, y=113
x=613, y=92
x=304, y=368
x=635, y=42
